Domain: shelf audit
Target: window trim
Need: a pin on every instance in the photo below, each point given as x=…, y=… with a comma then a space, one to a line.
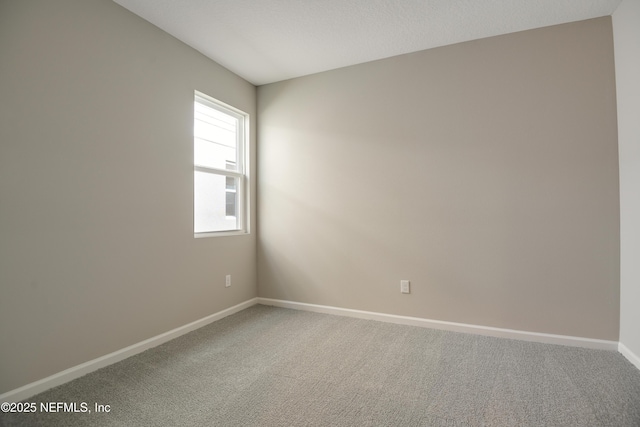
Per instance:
x=242, y=164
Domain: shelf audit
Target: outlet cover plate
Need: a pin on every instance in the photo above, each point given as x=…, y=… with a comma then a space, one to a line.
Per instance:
x=404, y=287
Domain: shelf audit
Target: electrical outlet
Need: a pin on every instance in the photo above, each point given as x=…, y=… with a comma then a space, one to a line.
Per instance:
x=227, y=281
x=404, y=287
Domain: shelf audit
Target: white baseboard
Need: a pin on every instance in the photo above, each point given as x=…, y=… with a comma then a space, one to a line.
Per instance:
x=72, y=373
x=67, y=375
x=630, y=355
x=448, y=326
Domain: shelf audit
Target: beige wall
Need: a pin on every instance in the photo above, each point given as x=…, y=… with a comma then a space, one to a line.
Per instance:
x=96, y=180
x=626, y=34
x=484, y=172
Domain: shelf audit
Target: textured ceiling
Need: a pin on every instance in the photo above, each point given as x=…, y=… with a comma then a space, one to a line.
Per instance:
x=270, y=40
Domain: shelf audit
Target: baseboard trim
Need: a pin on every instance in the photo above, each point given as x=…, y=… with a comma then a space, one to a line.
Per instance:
x=74, y=372
x=630, y=355
x=448, y=326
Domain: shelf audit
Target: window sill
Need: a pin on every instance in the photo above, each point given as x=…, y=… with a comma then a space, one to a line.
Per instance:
x=220, y=233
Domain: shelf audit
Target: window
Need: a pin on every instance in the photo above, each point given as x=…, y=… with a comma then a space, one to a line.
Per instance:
x=220, y=167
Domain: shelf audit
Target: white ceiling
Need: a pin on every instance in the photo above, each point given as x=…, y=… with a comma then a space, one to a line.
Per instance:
x=266, y=41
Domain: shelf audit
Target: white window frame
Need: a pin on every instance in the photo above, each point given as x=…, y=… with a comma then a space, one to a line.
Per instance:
x=242, y=167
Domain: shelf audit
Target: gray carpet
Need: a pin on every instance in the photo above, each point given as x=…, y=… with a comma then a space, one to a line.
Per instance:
x=269, y=366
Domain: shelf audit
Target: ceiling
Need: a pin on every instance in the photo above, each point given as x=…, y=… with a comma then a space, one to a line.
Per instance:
x=265, y=41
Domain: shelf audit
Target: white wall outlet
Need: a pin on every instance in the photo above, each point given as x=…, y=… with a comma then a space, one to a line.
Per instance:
x=227, y=281
x=404, y=287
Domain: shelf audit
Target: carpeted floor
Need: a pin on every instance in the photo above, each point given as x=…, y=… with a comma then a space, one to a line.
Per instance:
x=269, y=366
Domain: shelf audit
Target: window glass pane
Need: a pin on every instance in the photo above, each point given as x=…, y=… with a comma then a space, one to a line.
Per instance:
x=215, y=137
x=211, y=207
